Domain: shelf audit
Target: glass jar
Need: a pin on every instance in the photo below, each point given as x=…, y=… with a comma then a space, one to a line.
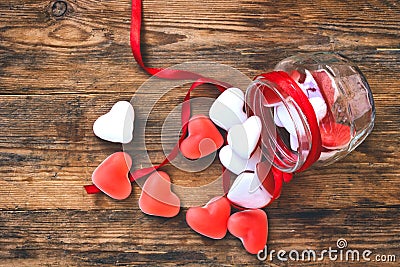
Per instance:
x=315, y=108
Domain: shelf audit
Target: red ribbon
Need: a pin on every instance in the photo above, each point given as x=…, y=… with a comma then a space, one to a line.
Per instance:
x=283, y=80
x=185, y=116
x=136, y=23
x=173, y=74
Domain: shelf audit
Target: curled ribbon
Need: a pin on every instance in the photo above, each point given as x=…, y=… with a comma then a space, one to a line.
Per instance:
x=275, y=174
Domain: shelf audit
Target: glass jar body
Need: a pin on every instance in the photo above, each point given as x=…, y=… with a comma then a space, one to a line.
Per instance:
x=339, y=95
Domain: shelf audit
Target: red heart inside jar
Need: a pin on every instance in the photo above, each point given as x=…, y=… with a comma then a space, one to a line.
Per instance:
x=315, y=109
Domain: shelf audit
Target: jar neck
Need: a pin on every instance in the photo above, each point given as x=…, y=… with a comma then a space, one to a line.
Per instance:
x=274, y=91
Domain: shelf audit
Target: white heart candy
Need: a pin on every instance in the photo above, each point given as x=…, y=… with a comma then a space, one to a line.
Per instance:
x=248, y=192
x=294, y=142
x=235, y=163
x=277, y=121
x=243, y=138
x=116, y=125
x=284, y=118
x=319, y=107
x=227, y=109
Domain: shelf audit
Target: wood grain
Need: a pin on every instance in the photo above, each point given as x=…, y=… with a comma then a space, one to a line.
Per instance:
x=61, y=69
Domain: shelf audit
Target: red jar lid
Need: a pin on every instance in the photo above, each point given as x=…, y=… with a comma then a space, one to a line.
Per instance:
x=274, y=87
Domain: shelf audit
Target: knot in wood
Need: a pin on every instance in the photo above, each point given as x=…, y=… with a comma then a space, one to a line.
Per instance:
x=59, y=8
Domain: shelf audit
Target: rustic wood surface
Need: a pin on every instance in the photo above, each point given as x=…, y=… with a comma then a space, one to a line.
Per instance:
x=63, y=64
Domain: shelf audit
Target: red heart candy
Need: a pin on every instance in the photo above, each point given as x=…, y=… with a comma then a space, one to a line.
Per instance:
x=157, y=198
x=111, y=176
x=325, y=84
x=203, y=138
x=297, y=76
x=251, y=227
x=334, y=135
x=210, y=220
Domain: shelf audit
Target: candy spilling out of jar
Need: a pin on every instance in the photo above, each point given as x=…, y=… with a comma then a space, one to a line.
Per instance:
x=243, y=153
x=251, y=190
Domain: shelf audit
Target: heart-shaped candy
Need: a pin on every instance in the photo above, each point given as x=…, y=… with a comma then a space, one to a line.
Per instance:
x=297, y=76
x=251, y=227
x=227, y=109
x=156, y=198
x=327, y=84
x=116, y=125
x=235, y=163
x=111, y=176
x=277, y=121
x=294, y=142
x=360, y=99
x=203, y=138
x=287, y=119
x=243, y=138
x=319, y=107
x=248, y=192
x=210, y=220
x=283, y=118
x=334, y=135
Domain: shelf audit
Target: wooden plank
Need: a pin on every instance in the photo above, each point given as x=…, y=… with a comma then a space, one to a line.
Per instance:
x=124, y=237
x=248, y=35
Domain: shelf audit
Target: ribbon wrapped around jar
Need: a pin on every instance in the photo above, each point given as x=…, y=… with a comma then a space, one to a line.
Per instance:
x=315, y=109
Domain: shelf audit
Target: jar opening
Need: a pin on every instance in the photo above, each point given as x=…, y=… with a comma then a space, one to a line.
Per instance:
x=286, y=148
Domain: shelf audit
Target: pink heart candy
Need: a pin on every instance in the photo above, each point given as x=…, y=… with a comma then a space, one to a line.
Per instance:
x=111, y=176
x=210, y=220
x=156, y=198
x=251, y=227
x=203, y=138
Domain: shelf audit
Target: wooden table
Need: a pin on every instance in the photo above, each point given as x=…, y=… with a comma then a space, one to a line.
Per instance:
x=64, y=63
